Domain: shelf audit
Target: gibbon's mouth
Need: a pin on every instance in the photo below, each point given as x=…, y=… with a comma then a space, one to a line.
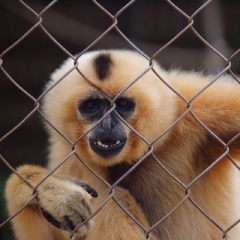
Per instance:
x=108, y=147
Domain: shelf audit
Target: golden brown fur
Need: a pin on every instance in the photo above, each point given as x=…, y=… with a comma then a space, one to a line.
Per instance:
x=148, y=192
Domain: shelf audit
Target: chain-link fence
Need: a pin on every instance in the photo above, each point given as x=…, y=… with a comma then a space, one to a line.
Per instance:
x=53, y=21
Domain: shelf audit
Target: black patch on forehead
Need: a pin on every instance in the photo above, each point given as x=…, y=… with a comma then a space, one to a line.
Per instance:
x=102, y=65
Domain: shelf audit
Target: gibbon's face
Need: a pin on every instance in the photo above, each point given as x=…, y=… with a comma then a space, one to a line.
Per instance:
x=75, y=107
x=109, y=137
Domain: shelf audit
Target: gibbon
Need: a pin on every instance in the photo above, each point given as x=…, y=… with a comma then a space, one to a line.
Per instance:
x=163, y=138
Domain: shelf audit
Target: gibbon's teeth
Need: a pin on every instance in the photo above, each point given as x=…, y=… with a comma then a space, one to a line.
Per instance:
x=99, y=143
x=102, y=145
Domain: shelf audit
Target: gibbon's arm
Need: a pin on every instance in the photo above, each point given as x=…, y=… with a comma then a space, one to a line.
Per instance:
x=113, y=223
x=218, y=107
x=68, y=204
x=63, y=202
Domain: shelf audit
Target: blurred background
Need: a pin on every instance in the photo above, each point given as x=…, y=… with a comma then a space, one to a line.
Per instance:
x=75, y=24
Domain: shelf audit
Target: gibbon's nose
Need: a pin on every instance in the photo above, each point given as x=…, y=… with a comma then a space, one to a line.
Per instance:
x=107, y=124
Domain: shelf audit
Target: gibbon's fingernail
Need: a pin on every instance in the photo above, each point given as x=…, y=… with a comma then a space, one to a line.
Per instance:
x=86, y=187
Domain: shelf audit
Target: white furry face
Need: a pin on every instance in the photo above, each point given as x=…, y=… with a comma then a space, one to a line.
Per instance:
x=75, y=107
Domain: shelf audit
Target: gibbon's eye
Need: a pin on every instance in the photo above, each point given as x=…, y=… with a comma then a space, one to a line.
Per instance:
x=125, y=106
x=90, y=105
x=122, y=103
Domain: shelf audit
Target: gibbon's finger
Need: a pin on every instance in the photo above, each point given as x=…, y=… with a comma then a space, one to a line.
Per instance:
x=51, y=219
x=86, y=187
x=67, y=224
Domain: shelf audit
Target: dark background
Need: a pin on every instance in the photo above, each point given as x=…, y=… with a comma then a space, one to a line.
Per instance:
x=77, y=23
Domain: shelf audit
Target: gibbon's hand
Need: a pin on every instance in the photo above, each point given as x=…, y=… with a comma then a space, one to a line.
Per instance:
x=65, y=203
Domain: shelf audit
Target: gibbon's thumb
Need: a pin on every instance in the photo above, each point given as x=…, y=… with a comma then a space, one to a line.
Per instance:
x=90, y=190
x=86, y=187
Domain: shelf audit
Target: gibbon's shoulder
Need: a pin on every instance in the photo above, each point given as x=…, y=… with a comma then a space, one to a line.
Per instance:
x=113, y=70
x=189, y=83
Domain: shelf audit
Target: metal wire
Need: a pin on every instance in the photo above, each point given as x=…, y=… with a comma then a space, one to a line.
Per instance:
x=114, y=26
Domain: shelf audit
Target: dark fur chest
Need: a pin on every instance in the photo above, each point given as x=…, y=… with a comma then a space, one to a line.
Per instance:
x=144, y=185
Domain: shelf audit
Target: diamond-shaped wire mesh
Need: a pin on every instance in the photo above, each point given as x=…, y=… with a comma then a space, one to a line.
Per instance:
x=36, y=15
